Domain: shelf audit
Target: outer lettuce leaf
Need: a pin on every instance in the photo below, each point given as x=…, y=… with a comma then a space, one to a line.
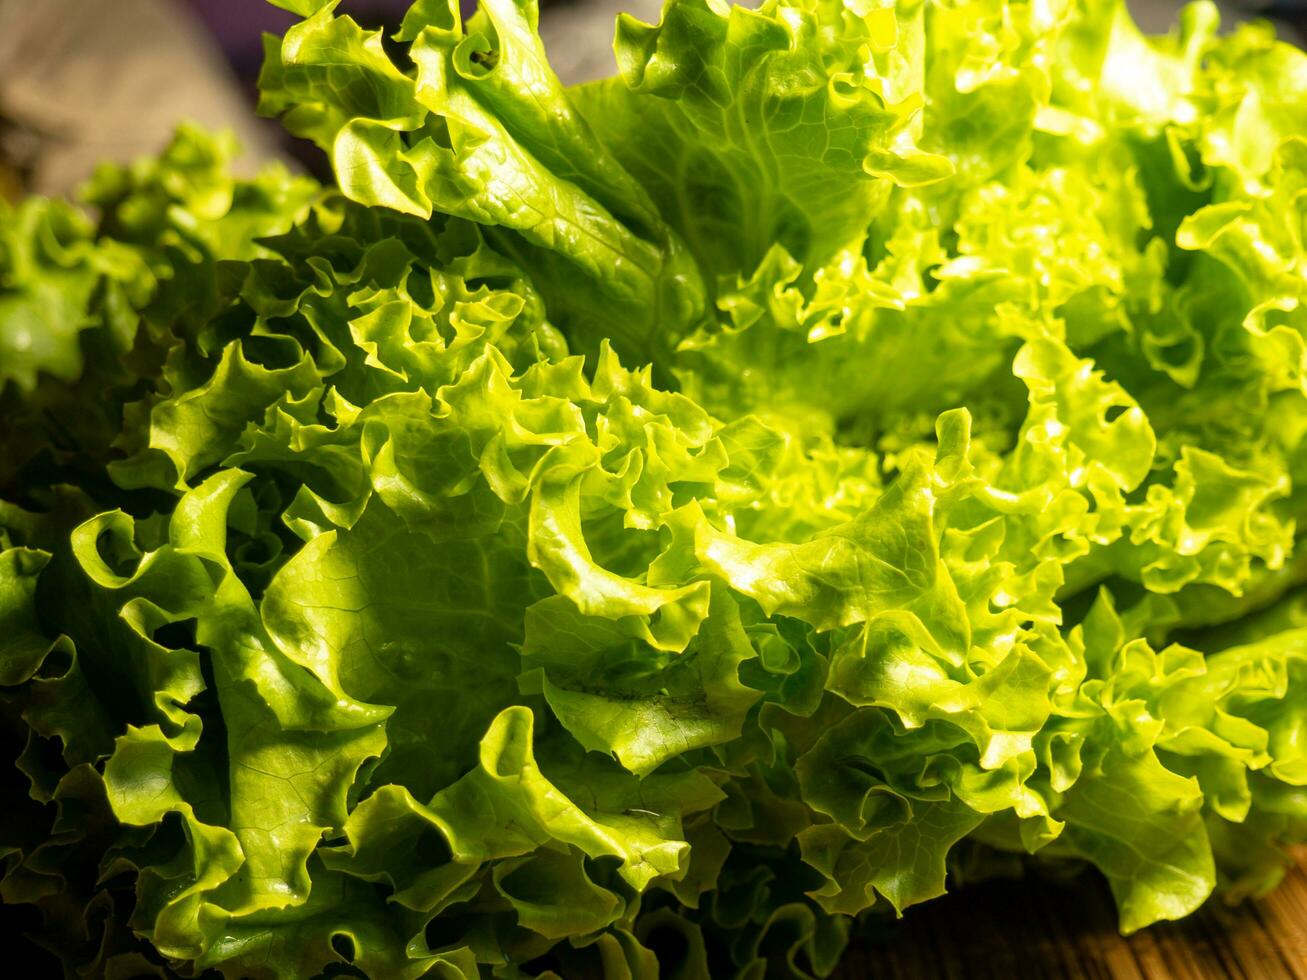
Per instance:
x=782, y=126
x=483, y=130
x=632, y=531
x=359, y=607
x=50, y=267
x=92, y=311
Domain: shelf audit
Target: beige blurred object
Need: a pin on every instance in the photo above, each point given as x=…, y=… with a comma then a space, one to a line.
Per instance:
x=578, y=35
x=82, y=81
x=1158, y=16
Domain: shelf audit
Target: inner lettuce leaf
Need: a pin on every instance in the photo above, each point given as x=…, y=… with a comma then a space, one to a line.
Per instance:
x=655, y=527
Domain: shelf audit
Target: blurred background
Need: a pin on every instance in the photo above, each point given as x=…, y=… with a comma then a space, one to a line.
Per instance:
x=87, y=80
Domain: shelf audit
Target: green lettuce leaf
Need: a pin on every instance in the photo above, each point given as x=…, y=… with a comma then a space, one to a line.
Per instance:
x=647, y=529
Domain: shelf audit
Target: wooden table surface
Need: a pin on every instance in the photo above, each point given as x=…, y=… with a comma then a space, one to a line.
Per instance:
x=1010, y=930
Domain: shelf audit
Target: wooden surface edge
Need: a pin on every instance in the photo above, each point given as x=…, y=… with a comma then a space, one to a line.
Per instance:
x=1040, y=928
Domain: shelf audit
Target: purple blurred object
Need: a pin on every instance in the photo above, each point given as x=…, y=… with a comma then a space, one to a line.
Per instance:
x=239, y=25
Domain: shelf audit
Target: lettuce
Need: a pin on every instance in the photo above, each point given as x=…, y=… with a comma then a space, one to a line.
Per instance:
x=648, y=528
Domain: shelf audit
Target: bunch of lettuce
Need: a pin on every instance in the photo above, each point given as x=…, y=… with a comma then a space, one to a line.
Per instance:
x=633, y=530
